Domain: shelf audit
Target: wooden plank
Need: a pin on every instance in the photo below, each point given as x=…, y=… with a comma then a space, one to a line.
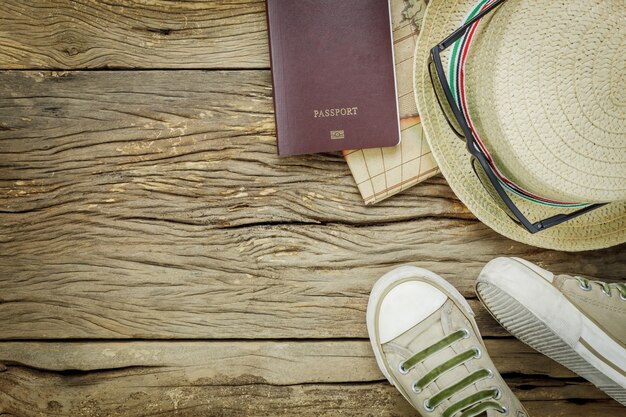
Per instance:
x=134, y=392
x=119, y=378
x=71, y=34
x=158, y=281
x=200, y=144
x=157, y=208
x=269, y=362
x=247, y=378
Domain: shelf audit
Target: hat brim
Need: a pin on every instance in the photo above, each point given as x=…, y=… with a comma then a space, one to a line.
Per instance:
x=601, y=228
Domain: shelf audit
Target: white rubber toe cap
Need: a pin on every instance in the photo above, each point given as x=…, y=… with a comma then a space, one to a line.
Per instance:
x=513, y=269
x=531, y=286
x=545, y=274
x=406, y=305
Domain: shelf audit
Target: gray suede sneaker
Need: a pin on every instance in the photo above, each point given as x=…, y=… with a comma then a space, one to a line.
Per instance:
x=578, y=322
x=427, y=344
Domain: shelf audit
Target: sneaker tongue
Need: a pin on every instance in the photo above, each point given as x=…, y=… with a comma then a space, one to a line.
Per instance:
x=422, y=335
x=445, y=321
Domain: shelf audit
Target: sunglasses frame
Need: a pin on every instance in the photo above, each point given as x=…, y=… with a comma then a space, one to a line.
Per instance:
x=470, y=140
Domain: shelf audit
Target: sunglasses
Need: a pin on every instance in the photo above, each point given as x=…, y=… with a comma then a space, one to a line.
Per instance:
x=482, y=163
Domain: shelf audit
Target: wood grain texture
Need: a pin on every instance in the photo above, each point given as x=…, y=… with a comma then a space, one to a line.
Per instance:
x=245, y=378
x=153, y=206
x=70, y=34
x=136, y=392
x=271, y=362
x=202, y=143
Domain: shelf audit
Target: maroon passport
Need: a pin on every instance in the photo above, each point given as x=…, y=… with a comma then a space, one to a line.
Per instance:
x=333, y=75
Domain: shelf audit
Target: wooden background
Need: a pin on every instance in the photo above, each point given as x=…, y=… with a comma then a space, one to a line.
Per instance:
x=157, y=258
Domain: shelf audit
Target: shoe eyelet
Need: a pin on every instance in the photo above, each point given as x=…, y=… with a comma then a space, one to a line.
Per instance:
x=416, y=389
x=490, y=374
x=583, y=286
x=498, y=394
x=466, y=334
x=477, y=353
x=428, y=407
x=622, y=297
x=505, y=411
x=607, y=293
x=402, y=370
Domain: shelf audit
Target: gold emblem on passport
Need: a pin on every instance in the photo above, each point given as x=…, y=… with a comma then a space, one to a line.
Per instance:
x=337, y=134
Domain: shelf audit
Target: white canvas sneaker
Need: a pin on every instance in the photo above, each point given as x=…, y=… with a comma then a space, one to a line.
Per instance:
x=427, y=344
x=578, y=322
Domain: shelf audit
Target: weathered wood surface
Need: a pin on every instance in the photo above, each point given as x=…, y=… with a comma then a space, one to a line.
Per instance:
x=153, y=205
x=272, y=362
x=150, y=393
x=73, y=34
x=247, y=378
x=203, y=143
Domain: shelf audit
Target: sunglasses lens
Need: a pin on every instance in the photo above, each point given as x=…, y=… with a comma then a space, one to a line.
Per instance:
x=489, y=187
x=443, y=101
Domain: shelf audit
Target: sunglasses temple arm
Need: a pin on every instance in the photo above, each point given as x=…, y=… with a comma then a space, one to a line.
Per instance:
x=532, y=228
x=560, y=218
x=454, y=36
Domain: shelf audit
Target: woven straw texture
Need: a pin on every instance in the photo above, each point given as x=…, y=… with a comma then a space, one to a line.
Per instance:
x=547, y=93
x=556, y=90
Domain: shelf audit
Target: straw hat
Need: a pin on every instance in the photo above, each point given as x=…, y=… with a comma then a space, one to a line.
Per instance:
x=546, y=91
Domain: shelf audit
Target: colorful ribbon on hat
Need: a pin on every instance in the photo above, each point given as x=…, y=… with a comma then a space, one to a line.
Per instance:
x=460, y=52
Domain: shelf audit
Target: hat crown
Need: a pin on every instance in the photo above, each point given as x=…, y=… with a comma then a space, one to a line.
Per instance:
x=546, y=90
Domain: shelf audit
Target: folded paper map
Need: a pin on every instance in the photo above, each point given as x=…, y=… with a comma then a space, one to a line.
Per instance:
x=383, y=172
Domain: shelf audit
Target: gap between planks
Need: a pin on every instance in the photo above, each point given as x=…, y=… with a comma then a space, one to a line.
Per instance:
x=274, y=362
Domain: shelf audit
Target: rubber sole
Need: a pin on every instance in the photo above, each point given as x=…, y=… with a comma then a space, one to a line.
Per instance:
x=528, y=328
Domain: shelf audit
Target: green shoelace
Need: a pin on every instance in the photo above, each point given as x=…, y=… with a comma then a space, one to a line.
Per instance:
x=607, y=288
x=472, y=405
